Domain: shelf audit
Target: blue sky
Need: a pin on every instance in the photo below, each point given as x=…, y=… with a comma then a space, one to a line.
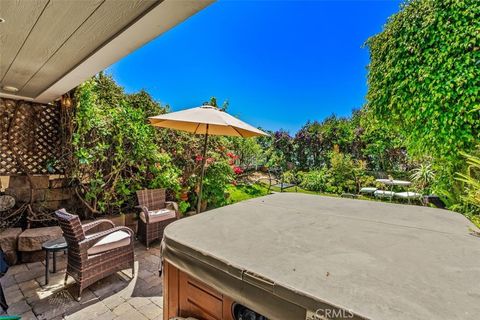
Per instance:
x=279, y=63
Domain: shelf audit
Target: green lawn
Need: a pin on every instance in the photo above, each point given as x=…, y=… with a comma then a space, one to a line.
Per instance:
x=300, y=190
x=244, y=192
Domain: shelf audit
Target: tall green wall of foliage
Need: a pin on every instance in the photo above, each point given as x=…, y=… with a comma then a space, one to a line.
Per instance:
x=424, y=80
x=114, y=149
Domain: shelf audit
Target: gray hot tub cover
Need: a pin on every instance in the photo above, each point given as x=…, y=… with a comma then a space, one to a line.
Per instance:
x=285, y=254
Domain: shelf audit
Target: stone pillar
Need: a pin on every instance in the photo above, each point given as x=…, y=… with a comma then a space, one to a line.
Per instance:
x=8, y=243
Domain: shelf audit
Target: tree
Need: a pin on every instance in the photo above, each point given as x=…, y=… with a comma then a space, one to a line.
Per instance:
x=315, y=140
x=309, y=147
x=213, y=102
x=281, y=153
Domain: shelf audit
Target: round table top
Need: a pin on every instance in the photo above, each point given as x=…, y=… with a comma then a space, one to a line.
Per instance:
x=55, y=244
x=394, y=182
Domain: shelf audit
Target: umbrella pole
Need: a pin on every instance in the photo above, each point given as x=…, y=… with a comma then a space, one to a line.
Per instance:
x=204, y=155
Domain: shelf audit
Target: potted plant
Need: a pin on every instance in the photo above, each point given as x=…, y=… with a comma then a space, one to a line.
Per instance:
x=184, y=194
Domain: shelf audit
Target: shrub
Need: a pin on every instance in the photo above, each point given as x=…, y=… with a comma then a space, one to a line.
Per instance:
x=290, y=177
x=423, y=176
x=183, y=206
x=316, y=180
x=342, y=173
x=471, y=183
x=218, y=176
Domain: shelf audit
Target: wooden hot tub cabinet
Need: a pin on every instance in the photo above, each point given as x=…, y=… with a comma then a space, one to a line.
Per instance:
x=185, y=296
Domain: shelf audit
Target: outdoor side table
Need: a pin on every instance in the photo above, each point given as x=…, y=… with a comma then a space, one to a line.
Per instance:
x=53, y=246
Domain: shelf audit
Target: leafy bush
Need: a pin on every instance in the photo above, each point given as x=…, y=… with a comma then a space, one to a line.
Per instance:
x=471, y=183
x=365, y=180
x=183, y=206
x=476, y=220
x=343, y=174
x=114, y=148
x=424, y=80
x=342, y=169
x=248, y=151
x=218, y=176
x=316, y=180
x=290, y=177
x=423, y=176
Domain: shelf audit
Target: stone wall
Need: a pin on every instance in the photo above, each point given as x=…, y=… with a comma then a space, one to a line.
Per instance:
x=48, y=194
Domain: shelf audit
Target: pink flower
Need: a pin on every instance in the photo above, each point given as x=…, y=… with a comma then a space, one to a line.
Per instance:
x=198, y=158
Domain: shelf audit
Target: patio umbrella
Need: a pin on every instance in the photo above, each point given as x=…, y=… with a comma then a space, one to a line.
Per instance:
x=206, y=120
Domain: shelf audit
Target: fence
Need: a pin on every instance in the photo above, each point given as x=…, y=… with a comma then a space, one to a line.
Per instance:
x=30, y=138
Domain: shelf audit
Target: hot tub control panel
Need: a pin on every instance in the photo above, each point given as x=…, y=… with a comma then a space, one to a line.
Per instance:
x=241, y=312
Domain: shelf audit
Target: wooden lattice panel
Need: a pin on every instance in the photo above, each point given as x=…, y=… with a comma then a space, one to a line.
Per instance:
x=29, y=138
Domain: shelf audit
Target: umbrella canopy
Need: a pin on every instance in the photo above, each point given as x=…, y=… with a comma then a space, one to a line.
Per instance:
x=206, y=120
x=197, y=120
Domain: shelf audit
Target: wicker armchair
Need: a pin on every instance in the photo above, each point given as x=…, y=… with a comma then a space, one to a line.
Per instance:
x=94, y=256
x=155, y=215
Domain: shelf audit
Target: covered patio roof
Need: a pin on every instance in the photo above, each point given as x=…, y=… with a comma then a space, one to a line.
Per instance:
x=48, y=47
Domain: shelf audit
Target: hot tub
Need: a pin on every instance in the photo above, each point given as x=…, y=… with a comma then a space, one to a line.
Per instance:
x=296, y=256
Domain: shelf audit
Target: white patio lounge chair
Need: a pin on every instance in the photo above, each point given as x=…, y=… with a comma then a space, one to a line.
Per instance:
x=368, y=190
x=407, y=195
x=384, y=194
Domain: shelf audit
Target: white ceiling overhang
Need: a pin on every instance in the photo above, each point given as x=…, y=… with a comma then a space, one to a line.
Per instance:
x=48, y=47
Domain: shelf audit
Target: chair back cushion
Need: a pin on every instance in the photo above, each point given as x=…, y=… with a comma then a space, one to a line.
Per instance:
x=153, y=199
x=71, y=227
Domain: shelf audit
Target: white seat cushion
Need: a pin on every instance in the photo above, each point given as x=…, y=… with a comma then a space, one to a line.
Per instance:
x=384, y=194
x=114, y=240
x=407, y=195
x=368, y=190
x=158, y=215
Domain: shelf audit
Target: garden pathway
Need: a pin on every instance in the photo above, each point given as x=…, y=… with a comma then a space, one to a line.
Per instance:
x=115, y=297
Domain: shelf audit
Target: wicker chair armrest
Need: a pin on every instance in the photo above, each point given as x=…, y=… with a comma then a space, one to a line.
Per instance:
x=143, y=208
x=96, y=237
x=172, y=205
x=87, y=226
x=145, y=211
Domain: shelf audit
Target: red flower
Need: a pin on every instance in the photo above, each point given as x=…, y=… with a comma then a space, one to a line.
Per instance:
x=237, y=170
x=198, y=158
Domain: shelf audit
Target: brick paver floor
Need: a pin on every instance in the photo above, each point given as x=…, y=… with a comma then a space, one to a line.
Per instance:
x=115, y=297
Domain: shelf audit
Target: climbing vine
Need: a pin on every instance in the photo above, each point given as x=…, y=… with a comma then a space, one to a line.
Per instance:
x=424, y=80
